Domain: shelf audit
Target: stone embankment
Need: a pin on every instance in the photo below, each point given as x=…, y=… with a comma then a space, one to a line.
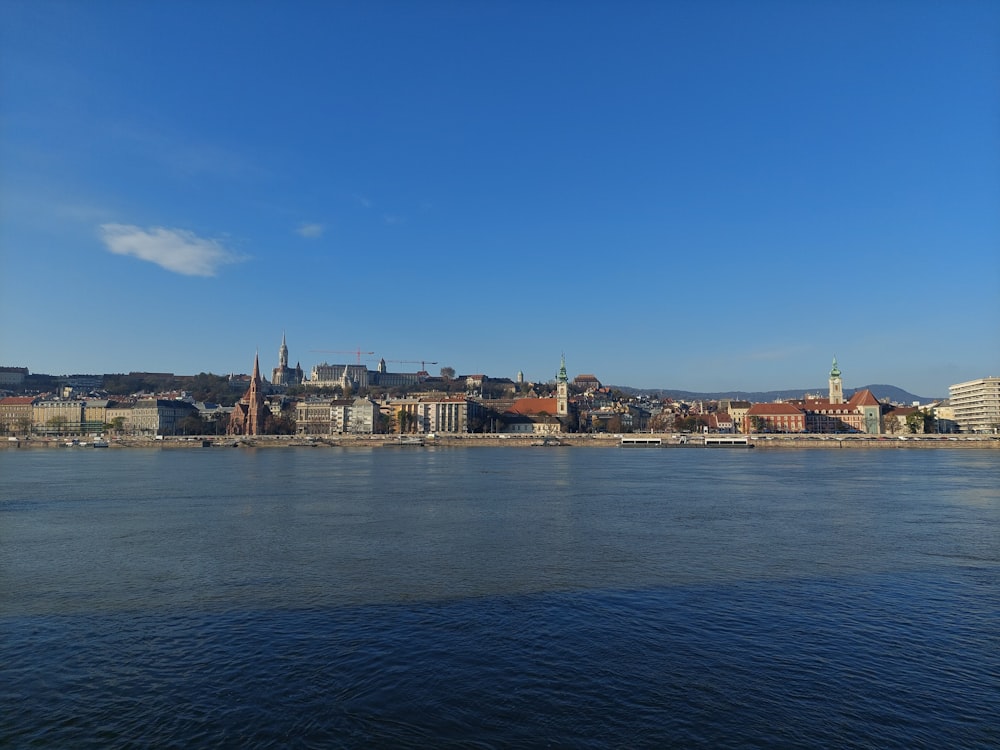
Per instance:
x=563, y=439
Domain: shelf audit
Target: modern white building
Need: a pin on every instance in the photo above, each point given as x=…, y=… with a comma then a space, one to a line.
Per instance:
x=976, y=405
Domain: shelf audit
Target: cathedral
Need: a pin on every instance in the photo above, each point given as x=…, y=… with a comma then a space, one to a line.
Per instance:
x=283, y=375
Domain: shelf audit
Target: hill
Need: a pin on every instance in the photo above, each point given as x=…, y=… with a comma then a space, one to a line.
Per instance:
x=882, y=392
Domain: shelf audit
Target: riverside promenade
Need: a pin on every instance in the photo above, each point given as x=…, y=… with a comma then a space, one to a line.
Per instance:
x=667, y=440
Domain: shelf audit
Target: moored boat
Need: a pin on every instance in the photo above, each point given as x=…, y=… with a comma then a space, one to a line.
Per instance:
x=727, y=441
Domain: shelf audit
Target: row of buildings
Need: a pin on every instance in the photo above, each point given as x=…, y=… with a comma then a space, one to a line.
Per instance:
x=436, y=413
x=582, y=405
x=976, y=409
x=54, y=415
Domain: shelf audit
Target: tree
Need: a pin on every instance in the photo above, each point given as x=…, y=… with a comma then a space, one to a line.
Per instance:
x=192, y=424
x=661, y=422
x=117, y=424
x=920, y=422
x=758, y=424
x=279, y=424
x=891, y=423
x=406, y=421
x=57, y=424
x=212, y=388
x=448, y=373
x=476, y=423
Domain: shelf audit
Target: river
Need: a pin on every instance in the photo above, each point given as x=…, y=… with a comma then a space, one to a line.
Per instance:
x=499, y=597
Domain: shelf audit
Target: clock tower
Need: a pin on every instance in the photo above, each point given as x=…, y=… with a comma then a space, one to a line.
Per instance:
x=836, y=385
x=562, y=390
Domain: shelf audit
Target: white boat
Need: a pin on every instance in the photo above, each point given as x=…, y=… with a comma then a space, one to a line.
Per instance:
x=641, y=440
x=413, y=440
x=547, y=442
x=100, y=442
x=727, y=441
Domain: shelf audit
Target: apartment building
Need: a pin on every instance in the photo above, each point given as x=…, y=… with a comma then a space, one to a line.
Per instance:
x=359, y=416
x=16, y=413
x=976, y=405
x=56, y=416
x=448, y=414
x=157, y=416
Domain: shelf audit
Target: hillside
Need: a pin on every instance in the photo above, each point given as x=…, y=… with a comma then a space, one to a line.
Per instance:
x=882, y=392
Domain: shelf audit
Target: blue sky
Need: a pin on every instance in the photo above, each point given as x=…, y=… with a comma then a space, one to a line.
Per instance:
x=694, y=195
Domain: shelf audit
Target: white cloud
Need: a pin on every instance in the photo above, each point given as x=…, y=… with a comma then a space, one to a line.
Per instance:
x=311, y=231
x=176, y=250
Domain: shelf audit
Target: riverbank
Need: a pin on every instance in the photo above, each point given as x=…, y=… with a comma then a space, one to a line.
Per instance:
x=562, y=440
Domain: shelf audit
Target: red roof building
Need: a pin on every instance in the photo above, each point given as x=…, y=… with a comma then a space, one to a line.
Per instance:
x=774, y=418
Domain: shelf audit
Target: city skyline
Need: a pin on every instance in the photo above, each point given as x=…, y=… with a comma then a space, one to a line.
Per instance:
x=701, y=197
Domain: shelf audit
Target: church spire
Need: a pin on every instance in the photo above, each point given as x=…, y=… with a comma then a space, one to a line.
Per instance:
x=249, y=413
x=562, y=390
x=836, y=385
x=283, y=353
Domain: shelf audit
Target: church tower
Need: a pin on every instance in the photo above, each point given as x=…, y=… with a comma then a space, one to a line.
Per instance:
x=283, y=353
x=836, y=385
x=249, y=413
x=255, y=402
x=562, y=390
x=283, y=375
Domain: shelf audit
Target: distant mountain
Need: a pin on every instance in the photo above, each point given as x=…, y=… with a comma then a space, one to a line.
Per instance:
x=882, y=393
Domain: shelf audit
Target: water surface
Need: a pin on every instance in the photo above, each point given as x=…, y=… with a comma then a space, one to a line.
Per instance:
x=499, y=597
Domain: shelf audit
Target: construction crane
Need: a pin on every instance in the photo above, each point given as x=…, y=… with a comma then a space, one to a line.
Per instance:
x=423, y=363
x=356, y=352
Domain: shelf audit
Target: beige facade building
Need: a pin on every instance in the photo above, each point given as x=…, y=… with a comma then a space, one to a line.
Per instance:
x=122, y=410
x=737, y=410
x=944, y=417
x=157, y=416
x=57, y=416
x=312, y=417
x=16, y=414
x=976, y=405
x=95, y=415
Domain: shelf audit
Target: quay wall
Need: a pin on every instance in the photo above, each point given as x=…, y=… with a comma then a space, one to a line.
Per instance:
x=577, y=440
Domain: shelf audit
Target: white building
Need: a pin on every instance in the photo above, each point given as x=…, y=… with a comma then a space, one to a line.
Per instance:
x=359, y=416
x=446, y=414
x=976, y=405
